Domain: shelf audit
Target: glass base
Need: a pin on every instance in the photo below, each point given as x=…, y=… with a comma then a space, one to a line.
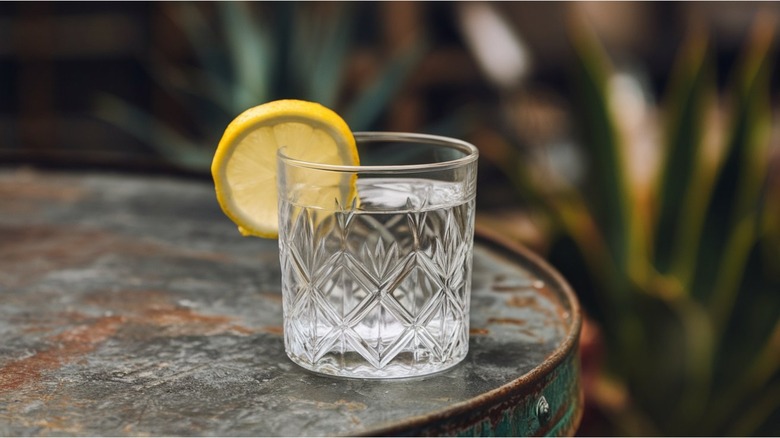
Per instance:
x=353, y=365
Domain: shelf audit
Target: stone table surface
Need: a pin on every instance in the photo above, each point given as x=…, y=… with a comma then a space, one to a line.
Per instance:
x=130, y=305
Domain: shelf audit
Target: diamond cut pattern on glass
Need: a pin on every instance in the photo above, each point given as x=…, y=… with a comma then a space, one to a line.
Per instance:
x=378, y=288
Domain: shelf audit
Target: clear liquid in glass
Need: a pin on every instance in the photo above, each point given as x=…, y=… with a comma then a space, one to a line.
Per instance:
x=380, y=289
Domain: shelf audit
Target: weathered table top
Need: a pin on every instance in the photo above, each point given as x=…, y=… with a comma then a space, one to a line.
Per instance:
x=131, y=306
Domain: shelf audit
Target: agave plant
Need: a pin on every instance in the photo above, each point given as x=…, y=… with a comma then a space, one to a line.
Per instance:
x=249, y=53
x=681, y=273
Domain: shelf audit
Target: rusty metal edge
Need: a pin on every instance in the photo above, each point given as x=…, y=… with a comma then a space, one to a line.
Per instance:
x=523, y=384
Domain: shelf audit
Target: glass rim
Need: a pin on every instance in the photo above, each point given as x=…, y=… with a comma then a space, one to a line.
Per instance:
x=471, y=154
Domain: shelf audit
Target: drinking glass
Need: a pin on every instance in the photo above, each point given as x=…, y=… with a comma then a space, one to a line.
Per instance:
x=376, y=259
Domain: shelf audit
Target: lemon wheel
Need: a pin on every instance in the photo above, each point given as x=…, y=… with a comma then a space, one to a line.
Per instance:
x=244, y=165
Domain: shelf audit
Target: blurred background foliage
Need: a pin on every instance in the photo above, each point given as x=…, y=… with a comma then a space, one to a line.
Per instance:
x=635, y=145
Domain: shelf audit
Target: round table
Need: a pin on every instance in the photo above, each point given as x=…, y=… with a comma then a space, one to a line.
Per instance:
x=130, y=305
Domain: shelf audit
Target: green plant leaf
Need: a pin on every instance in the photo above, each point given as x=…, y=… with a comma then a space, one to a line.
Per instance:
x=171, y=145
x=731, y=226
x=683, y=184
x=250, y=55
x=748, y=360
x=202, y=93
x=324, y=32
x=609, y=196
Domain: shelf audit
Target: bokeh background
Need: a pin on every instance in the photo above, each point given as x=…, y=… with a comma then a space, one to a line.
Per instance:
x=634, y=145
